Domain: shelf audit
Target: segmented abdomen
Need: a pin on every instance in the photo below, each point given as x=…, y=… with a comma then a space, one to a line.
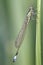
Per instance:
x=20, y=37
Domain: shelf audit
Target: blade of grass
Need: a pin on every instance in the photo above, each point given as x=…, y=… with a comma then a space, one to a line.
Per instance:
x=38, y=34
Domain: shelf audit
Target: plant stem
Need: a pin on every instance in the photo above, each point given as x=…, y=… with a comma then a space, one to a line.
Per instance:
x=38, y=34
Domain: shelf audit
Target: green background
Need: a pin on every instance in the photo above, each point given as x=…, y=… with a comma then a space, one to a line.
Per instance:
x=12, y=15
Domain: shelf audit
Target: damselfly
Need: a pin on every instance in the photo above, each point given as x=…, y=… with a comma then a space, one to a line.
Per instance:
x=20, y=36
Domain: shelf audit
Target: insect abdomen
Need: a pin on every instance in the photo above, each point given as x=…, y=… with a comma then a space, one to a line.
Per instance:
x=22, y=31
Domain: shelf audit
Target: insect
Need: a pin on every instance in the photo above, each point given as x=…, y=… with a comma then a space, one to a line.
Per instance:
x=20, y=36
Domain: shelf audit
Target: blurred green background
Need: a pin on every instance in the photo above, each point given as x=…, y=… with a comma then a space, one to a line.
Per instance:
x=12, y=15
